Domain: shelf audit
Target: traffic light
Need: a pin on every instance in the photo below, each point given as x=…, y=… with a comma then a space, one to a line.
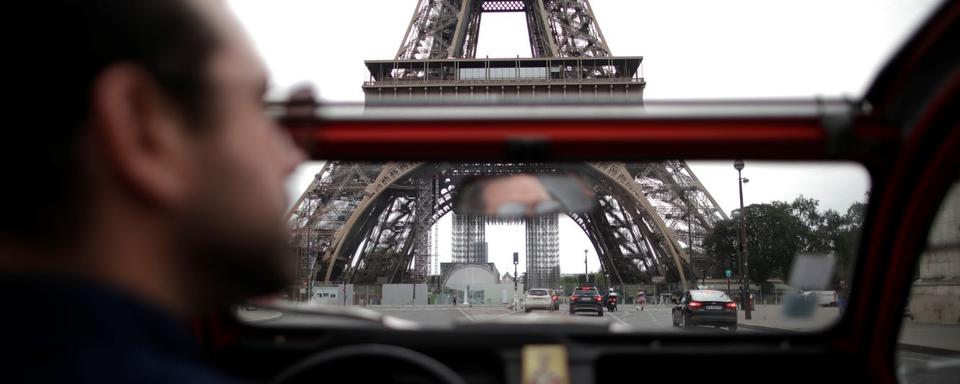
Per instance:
x=731, y=265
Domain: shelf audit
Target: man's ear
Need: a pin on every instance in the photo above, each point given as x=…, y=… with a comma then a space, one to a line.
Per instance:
x=142, y=136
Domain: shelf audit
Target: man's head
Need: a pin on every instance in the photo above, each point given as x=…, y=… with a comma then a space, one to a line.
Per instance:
x=150, y=136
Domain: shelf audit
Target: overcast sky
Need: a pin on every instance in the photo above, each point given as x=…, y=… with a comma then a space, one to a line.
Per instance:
x=692, y=49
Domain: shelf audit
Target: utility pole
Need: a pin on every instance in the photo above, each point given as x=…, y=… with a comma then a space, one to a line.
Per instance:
x=586, y=274
x=516, y=260
x=744, y=276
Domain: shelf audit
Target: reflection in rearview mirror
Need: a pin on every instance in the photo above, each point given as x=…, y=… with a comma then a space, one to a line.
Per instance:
x=525, y=195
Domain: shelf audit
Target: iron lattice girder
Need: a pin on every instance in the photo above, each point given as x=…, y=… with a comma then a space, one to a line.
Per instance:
x=323, y=209
x=630, y=237
x=450, y=28
x=680, y=198
x=504, y=5
x=425, y=202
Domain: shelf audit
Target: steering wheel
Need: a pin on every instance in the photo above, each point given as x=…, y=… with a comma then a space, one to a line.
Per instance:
x=410, y=357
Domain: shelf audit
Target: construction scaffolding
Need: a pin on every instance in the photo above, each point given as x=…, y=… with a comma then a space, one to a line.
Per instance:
x=469, y=243
x=543, y=252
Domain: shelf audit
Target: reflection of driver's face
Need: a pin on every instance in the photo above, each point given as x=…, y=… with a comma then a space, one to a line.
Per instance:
x=525, y=190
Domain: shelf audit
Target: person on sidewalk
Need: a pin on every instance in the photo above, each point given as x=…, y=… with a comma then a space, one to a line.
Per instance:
x=842, y=294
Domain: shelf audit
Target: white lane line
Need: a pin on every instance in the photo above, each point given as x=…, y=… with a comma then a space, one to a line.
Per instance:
x=654, y=318
x=505, y=314
x=619, y=319
x=465, y=314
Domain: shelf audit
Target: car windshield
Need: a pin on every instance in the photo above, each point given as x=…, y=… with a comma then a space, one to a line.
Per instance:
x=467, y=240
x=709, y=296
x=470, y=240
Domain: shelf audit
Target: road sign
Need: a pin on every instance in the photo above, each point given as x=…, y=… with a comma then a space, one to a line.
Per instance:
x=728, y=273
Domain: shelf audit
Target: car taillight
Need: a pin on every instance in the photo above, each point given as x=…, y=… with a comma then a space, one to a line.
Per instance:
x=731, y=305
x=694, y=305
x=573, y=298
x=599, y=298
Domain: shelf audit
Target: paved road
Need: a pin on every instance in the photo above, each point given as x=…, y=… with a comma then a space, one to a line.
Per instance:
x=928, y=368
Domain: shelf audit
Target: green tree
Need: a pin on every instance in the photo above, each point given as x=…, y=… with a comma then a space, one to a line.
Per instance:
x=721, y=243
x=773, y=237
x=778, y=231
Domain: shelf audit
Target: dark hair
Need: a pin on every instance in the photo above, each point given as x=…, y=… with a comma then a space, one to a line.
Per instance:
x=56, y=58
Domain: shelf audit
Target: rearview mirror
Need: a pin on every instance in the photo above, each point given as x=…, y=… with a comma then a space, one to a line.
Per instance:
x=525, y=195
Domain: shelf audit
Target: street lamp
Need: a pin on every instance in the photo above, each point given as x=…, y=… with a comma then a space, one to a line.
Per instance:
x=586, y=274
x=516, y=260
x=744, y=277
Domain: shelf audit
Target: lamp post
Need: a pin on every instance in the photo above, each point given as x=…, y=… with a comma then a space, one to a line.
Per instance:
x=744, y=276
x=586, y=274
x=516, y=260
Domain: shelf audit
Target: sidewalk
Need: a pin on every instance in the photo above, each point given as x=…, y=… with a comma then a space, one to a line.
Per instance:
x=930, y=336
x=923, y=336
x=771, y=317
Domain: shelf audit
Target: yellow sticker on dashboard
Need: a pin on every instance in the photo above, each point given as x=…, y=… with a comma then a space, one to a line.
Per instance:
x=545, y=364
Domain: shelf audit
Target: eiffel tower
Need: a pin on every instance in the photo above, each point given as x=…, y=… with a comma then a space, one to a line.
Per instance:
x=371, y=222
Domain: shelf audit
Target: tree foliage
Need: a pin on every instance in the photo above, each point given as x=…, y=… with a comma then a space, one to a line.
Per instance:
x=778, y=231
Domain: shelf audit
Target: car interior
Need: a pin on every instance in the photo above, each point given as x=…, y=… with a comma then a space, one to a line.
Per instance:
x=905, y=133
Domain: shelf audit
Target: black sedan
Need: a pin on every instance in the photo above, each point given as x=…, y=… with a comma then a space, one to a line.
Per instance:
x=705, y=307
x=586, y=299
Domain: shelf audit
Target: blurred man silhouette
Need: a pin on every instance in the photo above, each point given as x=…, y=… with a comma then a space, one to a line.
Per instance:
x=146, y=188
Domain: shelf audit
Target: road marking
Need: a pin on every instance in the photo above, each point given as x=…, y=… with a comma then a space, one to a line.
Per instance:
x=619, y=319
x=505, y=314
x=465, y=314
x=654, y=317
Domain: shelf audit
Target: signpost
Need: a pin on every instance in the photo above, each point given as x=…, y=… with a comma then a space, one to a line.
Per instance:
x=727, y=272
x=516, y=260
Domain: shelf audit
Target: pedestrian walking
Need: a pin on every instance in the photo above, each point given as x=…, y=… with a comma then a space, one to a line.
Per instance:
x=640, y=299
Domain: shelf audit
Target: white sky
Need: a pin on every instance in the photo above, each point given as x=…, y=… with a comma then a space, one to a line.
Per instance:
x=693, y=49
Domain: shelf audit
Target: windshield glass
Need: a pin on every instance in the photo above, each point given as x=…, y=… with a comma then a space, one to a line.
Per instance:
x=443, y=244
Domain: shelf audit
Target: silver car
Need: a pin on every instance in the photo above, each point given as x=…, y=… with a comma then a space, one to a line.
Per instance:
x=538, y=298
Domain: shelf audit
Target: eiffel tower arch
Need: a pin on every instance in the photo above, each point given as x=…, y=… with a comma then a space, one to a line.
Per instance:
x=371, y=222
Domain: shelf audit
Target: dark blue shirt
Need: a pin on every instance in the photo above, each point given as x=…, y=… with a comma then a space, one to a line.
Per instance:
x=59, y=331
